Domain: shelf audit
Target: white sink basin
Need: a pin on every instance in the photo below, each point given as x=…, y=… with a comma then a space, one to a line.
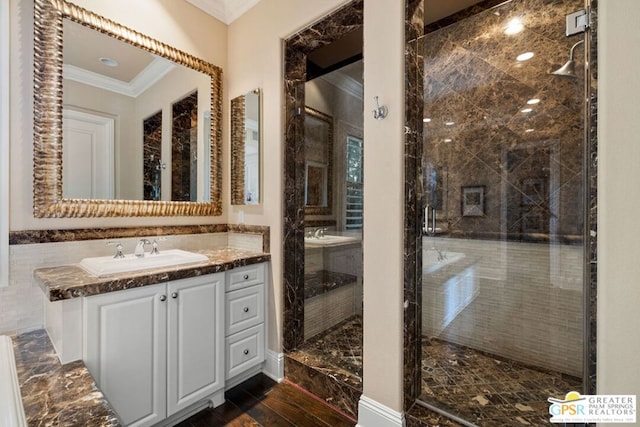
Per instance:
x=329, y=240
x=107, y=265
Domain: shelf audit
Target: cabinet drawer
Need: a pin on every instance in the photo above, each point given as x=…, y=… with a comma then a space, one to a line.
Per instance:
x=245, y=276
x=244, y=308
x=245, y=350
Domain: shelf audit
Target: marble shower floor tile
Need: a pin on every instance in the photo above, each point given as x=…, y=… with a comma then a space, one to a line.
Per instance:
x=340, y=345
x=485, y=389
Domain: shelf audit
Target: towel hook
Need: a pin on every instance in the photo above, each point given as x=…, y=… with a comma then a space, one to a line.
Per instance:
x=381, y=111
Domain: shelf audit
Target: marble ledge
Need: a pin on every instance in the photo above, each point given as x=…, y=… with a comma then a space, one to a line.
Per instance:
x=70, y=281
x=55, y=394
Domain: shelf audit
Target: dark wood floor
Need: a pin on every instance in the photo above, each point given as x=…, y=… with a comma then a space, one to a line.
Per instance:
x=261, y=401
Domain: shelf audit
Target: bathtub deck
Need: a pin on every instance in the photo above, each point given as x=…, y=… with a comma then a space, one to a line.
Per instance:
x=55, y=394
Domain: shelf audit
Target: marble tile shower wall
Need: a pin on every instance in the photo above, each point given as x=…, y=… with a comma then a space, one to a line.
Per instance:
x=529, y=302
x=485, y=132
x=21, y=303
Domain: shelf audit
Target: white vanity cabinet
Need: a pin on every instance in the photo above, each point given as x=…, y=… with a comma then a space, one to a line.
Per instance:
x=157, y=349
x=245, y=322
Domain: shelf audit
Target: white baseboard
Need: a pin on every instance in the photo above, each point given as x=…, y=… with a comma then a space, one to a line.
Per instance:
x=274, y=365
x=374, y=414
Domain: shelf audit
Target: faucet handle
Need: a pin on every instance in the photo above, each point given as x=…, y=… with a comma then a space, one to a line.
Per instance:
x=154, y=247
x=118, y=246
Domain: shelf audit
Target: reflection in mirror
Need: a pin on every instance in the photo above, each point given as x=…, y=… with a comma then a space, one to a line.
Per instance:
x=118, y=81
x=245, y=149
x=152, y=152
x=184, y=149
x=318, y=145
x=103, y=146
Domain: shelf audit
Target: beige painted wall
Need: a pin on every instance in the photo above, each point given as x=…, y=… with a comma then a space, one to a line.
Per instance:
x=384, y=202
x=176, y=23
x=619, y=199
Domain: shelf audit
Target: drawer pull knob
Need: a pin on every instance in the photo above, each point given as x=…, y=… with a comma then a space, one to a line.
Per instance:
x=174, y=295
x=246, y=309
x=246, y=277
x=246, y=352
x=163, y=297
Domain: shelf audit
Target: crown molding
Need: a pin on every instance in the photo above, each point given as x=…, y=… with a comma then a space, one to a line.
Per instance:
x=226, y=11
x=155, y=71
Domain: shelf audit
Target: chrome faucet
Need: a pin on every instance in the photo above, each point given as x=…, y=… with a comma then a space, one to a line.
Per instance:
x=319, y=234
x=139, y=251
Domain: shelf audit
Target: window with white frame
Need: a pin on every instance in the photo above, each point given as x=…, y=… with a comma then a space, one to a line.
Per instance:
x=353, y=187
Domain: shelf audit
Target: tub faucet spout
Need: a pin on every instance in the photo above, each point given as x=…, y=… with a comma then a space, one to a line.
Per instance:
x=319, y=234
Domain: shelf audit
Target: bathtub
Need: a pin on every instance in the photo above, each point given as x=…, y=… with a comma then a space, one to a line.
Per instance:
x=449, y=284
x=11, y=409
x=435, y=259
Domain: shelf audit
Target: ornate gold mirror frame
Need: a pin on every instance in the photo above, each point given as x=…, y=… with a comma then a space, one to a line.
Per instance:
x=48, y=201
x=319, y=175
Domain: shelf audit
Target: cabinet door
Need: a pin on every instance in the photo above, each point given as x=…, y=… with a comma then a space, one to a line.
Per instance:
x=195, y=340
x=125, y=350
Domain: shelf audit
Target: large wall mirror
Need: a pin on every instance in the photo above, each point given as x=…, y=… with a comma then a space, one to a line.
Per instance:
x=124, y=125
x=245, y=148
x=318, y=176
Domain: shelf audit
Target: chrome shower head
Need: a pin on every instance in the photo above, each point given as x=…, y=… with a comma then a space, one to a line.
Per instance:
x=569, y=68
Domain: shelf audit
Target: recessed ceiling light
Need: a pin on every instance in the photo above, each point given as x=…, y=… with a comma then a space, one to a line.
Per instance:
x=526, y=110
x=426, y=120
x=533, y=101
x=449, y=123
x=109, y=62
x=514, y=27
x=524, y=56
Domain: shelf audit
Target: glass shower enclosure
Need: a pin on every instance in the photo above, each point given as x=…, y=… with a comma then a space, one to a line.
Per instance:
x=502, y=246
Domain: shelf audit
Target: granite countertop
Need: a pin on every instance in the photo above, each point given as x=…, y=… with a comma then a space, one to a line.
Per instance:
x=71, y=281
x=55, y=394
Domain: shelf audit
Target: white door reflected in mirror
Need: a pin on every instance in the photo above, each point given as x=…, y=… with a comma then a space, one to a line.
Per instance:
x=88, y=141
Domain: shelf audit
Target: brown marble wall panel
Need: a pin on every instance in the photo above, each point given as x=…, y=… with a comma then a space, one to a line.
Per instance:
x=339, y=389
x=184, y=142
x=413, y=194
x=152, y=152
x=479, y=135
x=591, y=259
x=26, y=237
x=335, y=25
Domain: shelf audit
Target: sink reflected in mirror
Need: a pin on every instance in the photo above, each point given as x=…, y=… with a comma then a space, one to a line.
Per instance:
x=108, y=265
x=328, y=240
